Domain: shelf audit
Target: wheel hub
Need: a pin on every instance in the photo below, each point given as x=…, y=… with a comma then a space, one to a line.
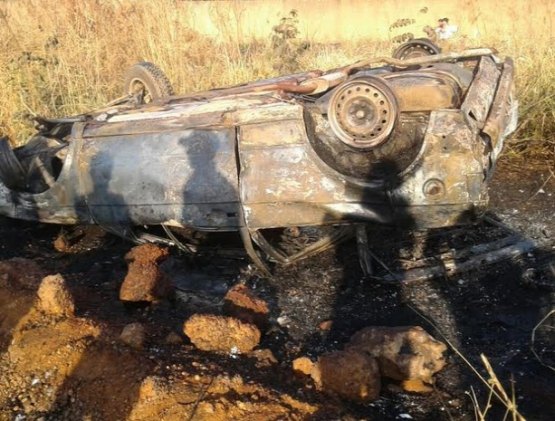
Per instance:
x=362, y=113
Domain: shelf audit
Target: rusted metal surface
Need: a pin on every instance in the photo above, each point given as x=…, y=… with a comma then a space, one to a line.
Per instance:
x=426, y=91
x=480, y=94
x=503, y=114
x=360, y=143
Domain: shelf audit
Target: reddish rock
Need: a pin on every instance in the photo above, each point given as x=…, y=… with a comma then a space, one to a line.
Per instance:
x=147, y=253
x=145, y=281
x=242, y=303
x=223, y=334
x=351, y=375
x=54, y=298
x=403, y=353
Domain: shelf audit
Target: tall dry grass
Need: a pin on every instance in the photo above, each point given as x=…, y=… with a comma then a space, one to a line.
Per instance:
x=60, y=57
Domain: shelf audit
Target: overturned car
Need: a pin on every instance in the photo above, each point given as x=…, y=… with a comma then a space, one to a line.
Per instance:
x=408, y=142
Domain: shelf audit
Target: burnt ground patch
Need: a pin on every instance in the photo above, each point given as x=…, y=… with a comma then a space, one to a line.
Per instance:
x=489, y=309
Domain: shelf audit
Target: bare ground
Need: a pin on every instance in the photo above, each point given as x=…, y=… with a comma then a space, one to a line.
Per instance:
x=77, y=368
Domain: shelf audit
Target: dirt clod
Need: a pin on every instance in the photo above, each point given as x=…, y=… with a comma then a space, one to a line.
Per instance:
x=145, y=280
x=54, y=298
x=223, y=334
x=173, y=338
x=350, y=374
x=133, y=335
x=242, y=303
x=403, y=353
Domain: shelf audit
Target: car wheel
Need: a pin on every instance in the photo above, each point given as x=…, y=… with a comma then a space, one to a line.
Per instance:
x=363, y=111
x=416, y=48
x=147, y=82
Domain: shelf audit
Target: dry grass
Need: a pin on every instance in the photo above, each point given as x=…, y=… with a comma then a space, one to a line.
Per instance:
x=59, y=57
x=497, y=390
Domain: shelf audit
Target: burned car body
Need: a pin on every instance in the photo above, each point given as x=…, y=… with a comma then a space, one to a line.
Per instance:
x=409, y=142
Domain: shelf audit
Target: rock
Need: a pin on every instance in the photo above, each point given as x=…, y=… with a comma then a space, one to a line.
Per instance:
x=145, y=280
x=283, y=321
x=133, y=335
x=325, y=325
x=303, y=365
x=241, y=303
x=61, y=243
x=403, y=353
x=224, y=334
x=415, y=386
x=350, y=374
x=173, y=338
x=264, y=357
x=22, y=273
x=54, y=298
x=152, y=388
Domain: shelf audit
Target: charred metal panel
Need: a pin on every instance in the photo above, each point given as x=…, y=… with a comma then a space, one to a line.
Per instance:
x=186, y=177
x=191, y=107
x=12, y=173
x=227, y=111
x=95, y=129
x=269, y=112
x=447, y=181
x=425, y=91
x=262, y=135
x=481, y=92
x=61, y=204
x=503, y=114
x=282, y=183
x=283, y=214
x=287, y=174
x=219, y=112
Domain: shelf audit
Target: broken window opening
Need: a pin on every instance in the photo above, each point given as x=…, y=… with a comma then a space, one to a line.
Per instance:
x=34, y=167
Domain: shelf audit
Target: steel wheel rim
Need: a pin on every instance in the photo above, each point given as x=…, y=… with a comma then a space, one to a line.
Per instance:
x=362, y=114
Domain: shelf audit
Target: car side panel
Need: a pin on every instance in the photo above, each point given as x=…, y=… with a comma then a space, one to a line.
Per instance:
x=180, y=177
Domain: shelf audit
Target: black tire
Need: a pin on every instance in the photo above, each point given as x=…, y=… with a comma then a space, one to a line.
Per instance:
x=418, y=47
x=147, y=82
